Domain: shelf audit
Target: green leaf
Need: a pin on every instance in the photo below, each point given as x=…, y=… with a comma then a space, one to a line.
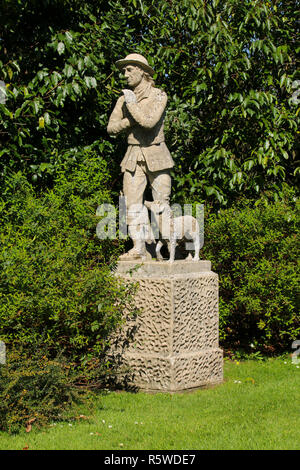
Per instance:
x=69, y=70
x=249, y=164
x=210, y=190
x=282, y=80
x=76, y=88
x=36, y=106
x=5, y=110
x=87, y=61
x=80, y=64
x=18, y=112
x=69, y=36
x=47, y=118
x=90, y=82
x=60, y=48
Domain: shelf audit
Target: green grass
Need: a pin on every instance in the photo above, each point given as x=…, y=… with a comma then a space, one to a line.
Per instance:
x=257, y=407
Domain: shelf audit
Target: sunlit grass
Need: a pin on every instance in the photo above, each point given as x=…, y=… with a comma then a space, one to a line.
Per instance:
x=257, y=407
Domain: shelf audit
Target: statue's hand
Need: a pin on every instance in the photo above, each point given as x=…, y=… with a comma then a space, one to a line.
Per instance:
x=129, y=96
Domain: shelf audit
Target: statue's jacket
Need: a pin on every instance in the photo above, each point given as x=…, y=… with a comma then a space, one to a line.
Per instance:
x=143, y=122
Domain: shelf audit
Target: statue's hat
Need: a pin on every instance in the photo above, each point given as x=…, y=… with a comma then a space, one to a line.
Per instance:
x=135, y=59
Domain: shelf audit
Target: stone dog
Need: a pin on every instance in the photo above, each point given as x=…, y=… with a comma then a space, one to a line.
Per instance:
x=173, y=229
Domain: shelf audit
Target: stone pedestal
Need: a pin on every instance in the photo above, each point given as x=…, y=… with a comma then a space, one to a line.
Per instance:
x=175, y=344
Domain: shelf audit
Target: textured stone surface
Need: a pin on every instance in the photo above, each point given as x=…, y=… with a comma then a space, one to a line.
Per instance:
x=175, y=341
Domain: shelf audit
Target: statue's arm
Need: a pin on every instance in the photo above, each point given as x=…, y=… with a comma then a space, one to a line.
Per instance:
x=149, y=117
x=117, y=122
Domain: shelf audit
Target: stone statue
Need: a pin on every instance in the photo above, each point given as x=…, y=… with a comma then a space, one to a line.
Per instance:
x=140, y=112
x=175, y=338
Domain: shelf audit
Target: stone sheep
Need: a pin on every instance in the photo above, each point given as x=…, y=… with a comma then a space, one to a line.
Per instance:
x=172, y=229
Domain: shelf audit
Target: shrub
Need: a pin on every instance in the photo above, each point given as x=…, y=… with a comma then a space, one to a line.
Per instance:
x=34, y=389
x=254, y=250
x=56, y=274
x=57, y=287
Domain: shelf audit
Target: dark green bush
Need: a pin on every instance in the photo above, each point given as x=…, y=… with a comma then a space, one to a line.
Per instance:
x=57, y=286
x=34, y=390
x=255, y=252
x=56, y=278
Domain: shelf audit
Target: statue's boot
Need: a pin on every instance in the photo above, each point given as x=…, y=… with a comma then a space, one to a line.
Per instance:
x=138, y=252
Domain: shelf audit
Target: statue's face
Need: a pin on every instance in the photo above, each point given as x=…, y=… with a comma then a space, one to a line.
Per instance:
x=133, y=75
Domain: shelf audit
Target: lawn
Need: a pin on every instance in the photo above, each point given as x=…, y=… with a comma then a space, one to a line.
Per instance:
x=257, y=407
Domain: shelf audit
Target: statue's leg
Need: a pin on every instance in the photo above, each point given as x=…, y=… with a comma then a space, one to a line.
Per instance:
x=197, y=246
x=134, y=185
x=172, y=247
x=157, y=250
x=161, y=183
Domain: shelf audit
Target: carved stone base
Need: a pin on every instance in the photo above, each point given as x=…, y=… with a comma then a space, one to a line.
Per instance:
x=175, y=343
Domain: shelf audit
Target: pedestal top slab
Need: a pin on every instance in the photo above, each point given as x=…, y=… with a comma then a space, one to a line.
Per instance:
x=162, y=268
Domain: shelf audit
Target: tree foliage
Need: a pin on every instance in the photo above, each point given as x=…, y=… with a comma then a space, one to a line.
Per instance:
x=228, y=67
